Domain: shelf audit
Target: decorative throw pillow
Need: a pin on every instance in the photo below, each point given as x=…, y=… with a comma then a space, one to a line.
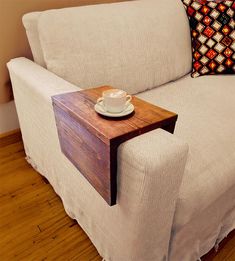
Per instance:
x=213, y=36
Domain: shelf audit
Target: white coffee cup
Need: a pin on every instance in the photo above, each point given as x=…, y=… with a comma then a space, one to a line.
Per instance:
x=114, y=100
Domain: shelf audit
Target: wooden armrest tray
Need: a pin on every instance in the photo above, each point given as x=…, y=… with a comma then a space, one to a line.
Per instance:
x=90, y=141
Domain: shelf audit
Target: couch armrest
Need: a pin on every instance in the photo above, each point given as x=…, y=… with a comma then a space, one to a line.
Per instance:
x=158, y=159
x=43, y=82
x=150, y=171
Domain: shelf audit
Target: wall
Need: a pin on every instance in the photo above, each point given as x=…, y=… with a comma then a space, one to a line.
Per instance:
x=13, y=43
x=8, y=117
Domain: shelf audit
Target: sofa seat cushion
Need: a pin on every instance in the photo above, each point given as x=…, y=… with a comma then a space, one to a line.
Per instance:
x=206, y=108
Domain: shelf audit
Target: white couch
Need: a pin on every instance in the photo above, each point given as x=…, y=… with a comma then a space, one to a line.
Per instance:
x=176, y=193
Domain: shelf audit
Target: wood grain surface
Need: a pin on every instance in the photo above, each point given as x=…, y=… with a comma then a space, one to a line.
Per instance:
x=90, y=141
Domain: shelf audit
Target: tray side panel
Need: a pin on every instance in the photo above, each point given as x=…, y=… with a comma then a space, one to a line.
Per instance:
x=90, y=155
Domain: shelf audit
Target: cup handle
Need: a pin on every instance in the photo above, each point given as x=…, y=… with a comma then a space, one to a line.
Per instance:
x=129, y=98
x=100, y=100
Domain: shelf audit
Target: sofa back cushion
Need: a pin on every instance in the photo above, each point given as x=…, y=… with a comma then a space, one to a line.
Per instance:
x=133, y=45
x=30, y=22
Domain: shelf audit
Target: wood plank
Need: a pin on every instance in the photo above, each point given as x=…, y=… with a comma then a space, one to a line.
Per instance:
x=10, y=138
x=80, y=105
x=90, y=141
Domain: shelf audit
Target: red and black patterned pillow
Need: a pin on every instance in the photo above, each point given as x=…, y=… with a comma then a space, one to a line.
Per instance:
x=213, y=36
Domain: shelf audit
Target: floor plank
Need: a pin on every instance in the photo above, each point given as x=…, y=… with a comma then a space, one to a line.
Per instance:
x=34, y=225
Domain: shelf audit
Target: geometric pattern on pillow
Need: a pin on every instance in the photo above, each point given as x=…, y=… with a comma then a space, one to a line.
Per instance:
x=213, y=36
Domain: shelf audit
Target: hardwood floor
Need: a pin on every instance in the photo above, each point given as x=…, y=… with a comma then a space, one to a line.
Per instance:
x=33, y=223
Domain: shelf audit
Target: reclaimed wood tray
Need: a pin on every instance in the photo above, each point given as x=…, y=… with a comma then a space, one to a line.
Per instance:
x=90, y=141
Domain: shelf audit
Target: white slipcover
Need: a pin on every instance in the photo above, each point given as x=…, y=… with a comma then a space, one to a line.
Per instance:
x=134, y=45
x=150, y=169
x=30, y=22
x=206, y=107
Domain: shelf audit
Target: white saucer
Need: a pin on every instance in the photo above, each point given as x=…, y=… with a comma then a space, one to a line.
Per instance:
x=100, y=109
